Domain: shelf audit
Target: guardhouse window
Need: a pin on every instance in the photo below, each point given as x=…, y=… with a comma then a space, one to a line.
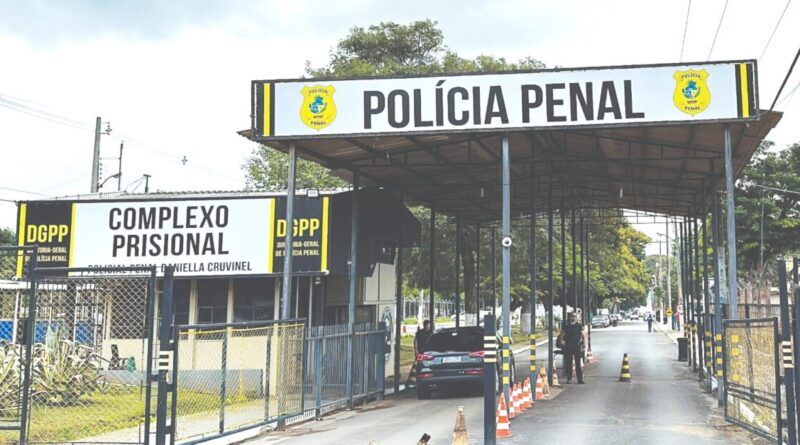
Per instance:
x=212, y=301
x=180, y=300
x=253, y=299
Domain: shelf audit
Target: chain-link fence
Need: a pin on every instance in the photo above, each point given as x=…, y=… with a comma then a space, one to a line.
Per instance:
x=752, y=375
x=15, y=264
x=90, y=354
x=237, y=375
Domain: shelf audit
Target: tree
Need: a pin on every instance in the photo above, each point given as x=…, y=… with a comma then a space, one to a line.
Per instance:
x=418, y=48
x=384, y=49
x=7, y=237
x=767, y=216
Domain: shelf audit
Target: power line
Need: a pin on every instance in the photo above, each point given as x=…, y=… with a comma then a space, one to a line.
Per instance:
x=790, y=94
x=791, y=192
x=685, y=28
x=16, y=104
x=774, y=29
x=785, y=79
x=718, y=28
x=11, y=189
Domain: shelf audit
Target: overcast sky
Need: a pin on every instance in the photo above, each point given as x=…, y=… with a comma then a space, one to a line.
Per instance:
x=173, y=77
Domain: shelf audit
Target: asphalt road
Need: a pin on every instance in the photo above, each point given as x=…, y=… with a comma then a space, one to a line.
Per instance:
x=664, y=404
x=402, y=418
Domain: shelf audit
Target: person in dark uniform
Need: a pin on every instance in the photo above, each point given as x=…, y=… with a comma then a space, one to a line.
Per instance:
x=422, y=337
x=650, y=323
x=573, y=347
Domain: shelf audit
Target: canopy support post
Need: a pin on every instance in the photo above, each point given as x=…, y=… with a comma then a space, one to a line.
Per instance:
x=730, y=213
x=506, y=266
x=351, y=304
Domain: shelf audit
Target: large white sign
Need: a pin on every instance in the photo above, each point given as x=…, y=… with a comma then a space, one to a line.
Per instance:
x=558, y=98
x=203, y=237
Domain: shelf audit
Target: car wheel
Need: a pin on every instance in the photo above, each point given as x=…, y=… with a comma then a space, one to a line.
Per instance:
x=423, y=392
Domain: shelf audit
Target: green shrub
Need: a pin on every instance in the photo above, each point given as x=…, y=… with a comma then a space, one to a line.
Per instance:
x=64, y=372
x=9, y=380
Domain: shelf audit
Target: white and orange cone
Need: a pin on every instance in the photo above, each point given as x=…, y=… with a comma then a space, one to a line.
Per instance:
x=520, y=403
x=512, y=407
x=527, y=400
x=555, y=375
x=539, y=387
x=503, y=424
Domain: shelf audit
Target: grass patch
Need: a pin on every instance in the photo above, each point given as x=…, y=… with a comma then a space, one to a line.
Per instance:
x=114, y=410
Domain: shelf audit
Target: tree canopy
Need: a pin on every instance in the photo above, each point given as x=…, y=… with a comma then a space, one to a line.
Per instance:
x=7, y=237
x=617, y=267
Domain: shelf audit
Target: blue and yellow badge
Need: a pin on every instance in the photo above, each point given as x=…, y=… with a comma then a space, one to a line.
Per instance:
x=318, y=109
x=692, y=95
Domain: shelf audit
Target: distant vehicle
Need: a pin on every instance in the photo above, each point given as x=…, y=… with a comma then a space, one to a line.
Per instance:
x=601, y=321
x=452, y=358
x=615, y=319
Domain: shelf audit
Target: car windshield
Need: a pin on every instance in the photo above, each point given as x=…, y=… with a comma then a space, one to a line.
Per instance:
x=455, y=341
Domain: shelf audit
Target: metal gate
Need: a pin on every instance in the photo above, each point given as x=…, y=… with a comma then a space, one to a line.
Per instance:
x=230, y=377
x=15, y=266
x=77, y=352
x=752, y=376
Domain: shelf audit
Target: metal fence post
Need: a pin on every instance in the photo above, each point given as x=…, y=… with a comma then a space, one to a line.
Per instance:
x=28, y=362
x=489, y=379
x=165, y=352
x=380, y=341
x=786, y=348
x=318, y=345
x=223, y=389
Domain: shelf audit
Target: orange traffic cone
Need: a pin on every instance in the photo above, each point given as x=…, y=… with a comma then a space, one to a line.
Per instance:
x=555, y=375
x=543, y=378
x=512, y=411
x=539, y=388
x=503, y=424
x=526, y=393
x=520, y=403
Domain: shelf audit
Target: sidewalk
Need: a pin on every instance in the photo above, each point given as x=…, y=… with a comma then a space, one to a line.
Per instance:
x=667, y=329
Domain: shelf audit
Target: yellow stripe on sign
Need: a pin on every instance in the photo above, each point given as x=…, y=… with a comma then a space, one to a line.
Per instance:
x=267, y=87
x=506, y=340
x=505, y=352
x=743, y=86
x=533, y=368
x=72, y=234
x=324, y=261
x=271, y=237
x=505, y=380
x=506, y=367
x=23, y=213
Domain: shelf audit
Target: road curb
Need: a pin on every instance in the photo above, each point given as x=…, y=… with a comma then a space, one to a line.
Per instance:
x=668, y=333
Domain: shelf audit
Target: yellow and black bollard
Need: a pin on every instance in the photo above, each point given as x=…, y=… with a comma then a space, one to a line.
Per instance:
x=625, y=373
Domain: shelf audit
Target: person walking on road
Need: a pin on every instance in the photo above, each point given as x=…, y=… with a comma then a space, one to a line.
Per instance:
x=650, y=323
x=573, y=346
x=422, y=336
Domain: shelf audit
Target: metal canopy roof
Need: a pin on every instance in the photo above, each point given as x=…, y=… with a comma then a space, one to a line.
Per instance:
x=660, y=168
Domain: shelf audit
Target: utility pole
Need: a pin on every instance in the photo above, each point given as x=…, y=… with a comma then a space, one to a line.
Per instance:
x=669, y=276
x=96, y=158
x=119, y=171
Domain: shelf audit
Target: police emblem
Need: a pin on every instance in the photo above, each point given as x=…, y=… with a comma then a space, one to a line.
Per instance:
x=691, y=95
x=318, y=109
